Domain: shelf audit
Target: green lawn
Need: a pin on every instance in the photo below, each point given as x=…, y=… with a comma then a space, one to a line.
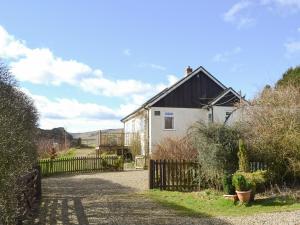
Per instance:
x=70, y=153
x=210, y=203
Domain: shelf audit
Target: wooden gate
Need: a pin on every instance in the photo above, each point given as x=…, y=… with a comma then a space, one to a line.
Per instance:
x=174, y=175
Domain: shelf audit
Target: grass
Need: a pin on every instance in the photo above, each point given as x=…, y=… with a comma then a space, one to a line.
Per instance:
x=211, y=203
x=67, y=154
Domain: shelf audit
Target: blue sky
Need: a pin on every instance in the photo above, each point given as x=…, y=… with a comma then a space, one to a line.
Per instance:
x=86, y=64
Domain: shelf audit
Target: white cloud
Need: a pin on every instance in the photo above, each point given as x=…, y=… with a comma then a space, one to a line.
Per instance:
x=292, y=47
x=234, y=15
x=10, y=47
x=76, y=116
x=41, y=66
x=172, y=79
x=233, y=12
x=224, y=57
x=152, y=66
x=282, y=3
x=127, y=52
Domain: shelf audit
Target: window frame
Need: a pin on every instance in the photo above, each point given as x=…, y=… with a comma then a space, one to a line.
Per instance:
x=169, y=115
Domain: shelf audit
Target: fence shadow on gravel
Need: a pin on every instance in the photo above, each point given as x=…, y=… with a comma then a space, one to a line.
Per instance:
x=71, y=200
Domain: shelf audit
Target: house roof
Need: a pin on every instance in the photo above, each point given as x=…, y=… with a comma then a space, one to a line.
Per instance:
x=222, y=94
x=166, y=91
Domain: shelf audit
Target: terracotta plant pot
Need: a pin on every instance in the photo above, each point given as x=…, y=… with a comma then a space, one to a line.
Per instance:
x=233, y=198
x=244, y=196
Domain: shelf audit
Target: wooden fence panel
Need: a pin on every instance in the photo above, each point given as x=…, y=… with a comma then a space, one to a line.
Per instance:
x=254, y=166
x=173, y=175
x=80, y=164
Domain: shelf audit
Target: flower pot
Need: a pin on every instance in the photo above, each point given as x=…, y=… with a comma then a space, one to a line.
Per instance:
x=233, y=198
x=244, y=196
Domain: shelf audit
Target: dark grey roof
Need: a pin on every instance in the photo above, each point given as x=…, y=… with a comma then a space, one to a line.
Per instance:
x=200, y=68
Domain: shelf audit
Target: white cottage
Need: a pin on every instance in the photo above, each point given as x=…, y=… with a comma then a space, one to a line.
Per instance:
x=197, y=96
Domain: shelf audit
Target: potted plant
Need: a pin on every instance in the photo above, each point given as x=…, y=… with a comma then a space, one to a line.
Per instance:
x=242, y=187
x=229, y=188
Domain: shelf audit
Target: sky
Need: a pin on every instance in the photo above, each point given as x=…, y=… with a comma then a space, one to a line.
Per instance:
x=87, y=64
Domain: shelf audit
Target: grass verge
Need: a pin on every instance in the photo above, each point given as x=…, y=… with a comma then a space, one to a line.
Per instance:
x=211, y=203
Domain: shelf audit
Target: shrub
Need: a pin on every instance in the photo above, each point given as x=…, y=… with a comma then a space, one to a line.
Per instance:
x=243, y=157
x=227, y=184
x=18, y=119
x=135, y=144
x=257, y=179
x=174, y=148
x=217, y=146
x=240, y=183
x=273, y=130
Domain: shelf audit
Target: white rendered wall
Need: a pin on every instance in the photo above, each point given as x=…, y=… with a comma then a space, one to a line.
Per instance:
x=184, y=118
x=219, y=113
x=136, y=125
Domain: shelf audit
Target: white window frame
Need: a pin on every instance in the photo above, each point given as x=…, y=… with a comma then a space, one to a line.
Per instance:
x=227, y=116
x=170, y=115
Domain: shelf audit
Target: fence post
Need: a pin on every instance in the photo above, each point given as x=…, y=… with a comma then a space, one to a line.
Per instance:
x=164, y=175
x=151, y=165
x=38, y=182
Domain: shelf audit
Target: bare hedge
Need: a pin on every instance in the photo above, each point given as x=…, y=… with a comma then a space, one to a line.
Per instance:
x=18, y=119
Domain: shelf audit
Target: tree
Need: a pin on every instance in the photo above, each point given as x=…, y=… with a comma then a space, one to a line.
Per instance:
x=18, y=119
x=290, y=77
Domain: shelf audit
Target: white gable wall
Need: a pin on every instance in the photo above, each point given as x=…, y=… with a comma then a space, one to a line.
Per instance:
x=183, y=119
x=220, y=113
x=137, y=124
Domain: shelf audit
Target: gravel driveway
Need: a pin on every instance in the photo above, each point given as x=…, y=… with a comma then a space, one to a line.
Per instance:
x=112, y=198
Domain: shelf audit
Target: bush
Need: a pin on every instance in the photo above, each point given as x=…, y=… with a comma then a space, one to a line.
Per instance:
x=273, y=131
x=217, y=146
x=135, y=144
x=243, y=157
x=18, y=119
x=240, y=183
x=174, y=148
x=257, y=179
x=227, y=184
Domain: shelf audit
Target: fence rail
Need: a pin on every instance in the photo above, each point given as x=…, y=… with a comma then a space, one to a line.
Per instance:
x=30, y=194
x=174, y=175
x=254, y=166
x=80, y=164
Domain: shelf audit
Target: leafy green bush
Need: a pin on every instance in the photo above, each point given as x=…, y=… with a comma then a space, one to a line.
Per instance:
x=227, y=184
x=217, y=146
x=258, y=180
x=240, y=183
x=243, y=157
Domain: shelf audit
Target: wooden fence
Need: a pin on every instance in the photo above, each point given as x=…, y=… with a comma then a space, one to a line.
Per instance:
x=30, y=194
x=254, y=166
x=174, y=175
x=80, y=164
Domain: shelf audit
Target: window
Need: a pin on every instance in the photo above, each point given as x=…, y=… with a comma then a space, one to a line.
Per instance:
x=156, y=113
x=169, y=121
x=227, y=115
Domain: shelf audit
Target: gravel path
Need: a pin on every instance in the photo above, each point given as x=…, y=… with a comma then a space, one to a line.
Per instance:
x=112, y=198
